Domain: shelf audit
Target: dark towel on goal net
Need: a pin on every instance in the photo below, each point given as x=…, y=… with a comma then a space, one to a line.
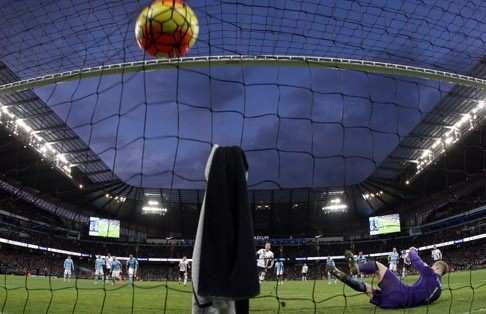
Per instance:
x=224, y=267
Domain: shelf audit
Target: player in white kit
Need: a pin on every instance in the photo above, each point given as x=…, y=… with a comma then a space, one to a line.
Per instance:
x=436, y=254
x=265, y=256
x=183, y=267
x=108, y=263
x=305, y=269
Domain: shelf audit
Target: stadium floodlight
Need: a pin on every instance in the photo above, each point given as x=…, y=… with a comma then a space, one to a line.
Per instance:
x=17, y=127
x=263, y=206
x=154, y=210
x=153, y=203
x=335, y=208
x=372, y=195
x=462, y=127
x=151, y=194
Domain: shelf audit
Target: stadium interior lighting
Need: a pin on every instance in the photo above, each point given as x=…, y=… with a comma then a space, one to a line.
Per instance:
x=463, y=126
x=263, y=206
x=335, y=208
x=119, y=199
x=368, y=196
x=81, y=186
x=26, y=134
x=153, y=203
x=336, y=192
x=154, y=209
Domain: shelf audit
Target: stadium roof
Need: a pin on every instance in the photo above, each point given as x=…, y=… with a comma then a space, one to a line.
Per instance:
x=70, y=37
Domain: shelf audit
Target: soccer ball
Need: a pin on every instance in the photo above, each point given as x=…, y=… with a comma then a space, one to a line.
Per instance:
x=167, y=28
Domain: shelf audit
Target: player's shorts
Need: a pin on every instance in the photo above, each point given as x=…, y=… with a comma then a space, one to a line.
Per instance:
x=261, y=269
x=99, y=272
x=279, y=273
x=115, y=274
x=393, y=266
x=393, y=292
x=67, y=272
x=131, y=271
x=182, y=273
x=304, y=274
x=407, y=266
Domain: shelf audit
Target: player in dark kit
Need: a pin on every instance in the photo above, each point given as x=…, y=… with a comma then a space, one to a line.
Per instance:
x=391, y=293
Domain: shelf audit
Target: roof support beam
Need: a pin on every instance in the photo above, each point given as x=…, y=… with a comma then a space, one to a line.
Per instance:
x=92, y=173
x=86, y=162
x=52, y=128
x=76, y=151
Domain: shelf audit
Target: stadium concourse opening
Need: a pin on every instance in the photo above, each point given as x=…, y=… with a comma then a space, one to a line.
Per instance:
x=362, y=123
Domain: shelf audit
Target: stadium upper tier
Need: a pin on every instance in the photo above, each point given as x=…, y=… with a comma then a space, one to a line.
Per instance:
x=374, y=141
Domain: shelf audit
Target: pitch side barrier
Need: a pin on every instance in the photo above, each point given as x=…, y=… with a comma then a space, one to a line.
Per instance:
x=312, y=258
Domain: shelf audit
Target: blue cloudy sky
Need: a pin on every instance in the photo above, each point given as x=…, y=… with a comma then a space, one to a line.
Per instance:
x=299, y=126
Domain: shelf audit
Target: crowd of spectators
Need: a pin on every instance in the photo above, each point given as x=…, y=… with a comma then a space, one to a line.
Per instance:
x=22, y=261
x=461, y=205
x=304, y=248
x=19, y=260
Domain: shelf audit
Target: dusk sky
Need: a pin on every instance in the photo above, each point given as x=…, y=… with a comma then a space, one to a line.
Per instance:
x=300, y=127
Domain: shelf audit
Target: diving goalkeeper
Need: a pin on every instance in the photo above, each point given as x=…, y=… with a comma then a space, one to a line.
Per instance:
x=391, y=293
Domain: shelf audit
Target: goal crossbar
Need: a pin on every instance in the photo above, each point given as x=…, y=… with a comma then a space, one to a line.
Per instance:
x=216, y=61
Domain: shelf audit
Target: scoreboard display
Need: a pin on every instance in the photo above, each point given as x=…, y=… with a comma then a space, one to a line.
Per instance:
x=384, y=224
x=100, y=227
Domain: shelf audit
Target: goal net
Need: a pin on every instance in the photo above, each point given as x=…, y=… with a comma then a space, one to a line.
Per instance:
x=362, y=123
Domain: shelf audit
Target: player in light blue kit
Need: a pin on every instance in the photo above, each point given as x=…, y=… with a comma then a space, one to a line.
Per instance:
x=279, y=268
x=393, y=260
x=115, y=270
x=330, y=275
x=361, y=260
x=99, y=269
x=132, y=266
x=68, y=267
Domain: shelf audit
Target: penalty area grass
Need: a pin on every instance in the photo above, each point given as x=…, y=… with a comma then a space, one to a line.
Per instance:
x=463, y=292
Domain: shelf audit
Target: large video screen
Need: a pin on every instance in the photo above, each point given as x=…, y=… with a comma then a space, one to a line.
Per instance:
x=104, y=227
x=384, y=224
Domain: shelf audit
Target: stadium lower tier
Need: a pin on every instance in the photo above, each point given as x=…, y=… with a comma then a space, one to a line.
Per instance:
x=43, y=238
x=25, y=261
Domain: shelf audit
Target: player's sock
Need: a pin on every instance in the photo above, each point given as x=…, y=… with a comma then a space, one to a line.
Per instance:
x=130, y=280
x=261, y=278
x=358, y=286
x=96, y=278
x=185, y=280
x=368, y=268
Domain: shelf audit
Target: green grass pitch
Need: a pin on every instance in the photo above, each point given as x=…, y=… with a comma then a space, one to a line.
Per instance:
x=388, y=226
x=463, y=293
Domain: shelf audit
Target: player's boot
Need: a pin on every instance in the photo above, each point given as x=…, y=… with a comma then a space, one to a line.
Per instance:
x=353, y=266
x=336, y=272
